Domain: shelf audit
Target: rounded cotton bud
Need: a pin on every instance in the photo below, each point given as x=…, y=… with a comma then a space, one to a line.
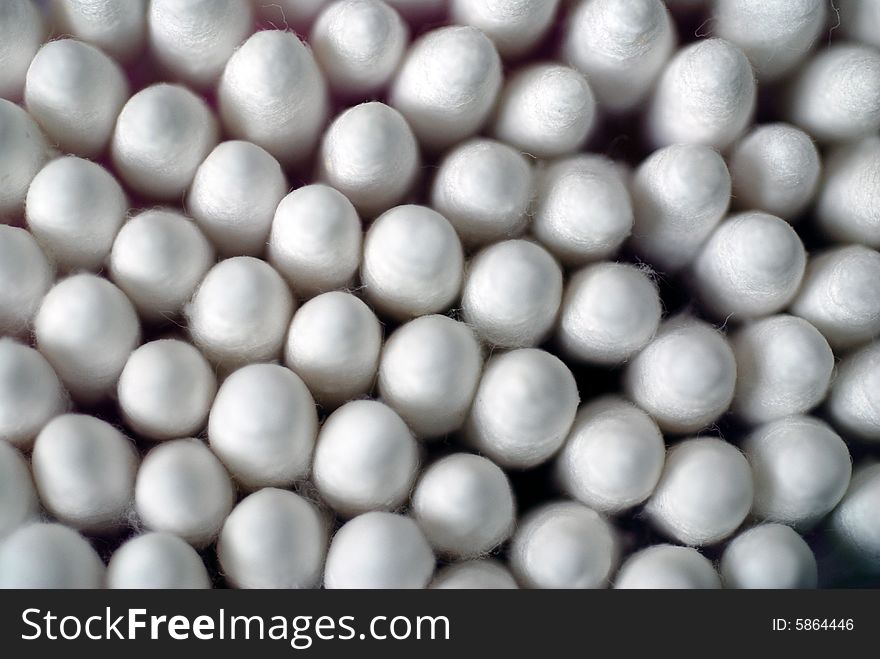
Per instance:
x=74, y=209
x=512, y=294
x=685, y=377
x=609, y=312
x=524, y=407
x=545, y=110
x=84, y=470
x=49, y=556
x=234, y=195
x=848, y=209
x=479, y=574
x=263, y=426
x=447, y=85
x=413, y=263
x=158, y=258
x=117, y=28
x=86, y=328
x=563, y=545
x=166, y=390
x=801, y=470
x=854, y=402
x=840, y=296
x=621, y=46
x=775, y=169
x=365, y=459
x=860, y=21
x=370, y=155
x=333, y=345
x=273, y=539
x=182, y=488
x=769, y=556
x=667, y=567
x=464, y=505
x=515, y=27
x=359, y=44
x=706, y=95
x=783, y=367
x=271, y=93
x=240, y=312
x=613, y=456
x=483, y=188
x=75, y=92
x=704, y=493
x=429, y=372
x=18, y=501
x=21, y=33
x=163, y=134
x=26, y=274
x=751, y=266
x=156, y=560
x=379, y=550
x=855, y=523
x=24, y=152
x=192, y=40
x=583, y=210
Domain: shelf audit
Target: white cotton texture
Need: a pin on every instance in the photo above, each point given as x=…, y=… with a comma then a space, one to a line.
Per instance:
x=156, y=561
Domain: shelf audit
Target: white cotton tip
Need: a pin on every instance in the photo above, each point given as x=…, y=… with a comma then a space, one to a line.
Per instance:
x=854, y=401
x=75, y=92
x=240, y=312
x=848, y=209
x=84, y=470
x=21, y=34
x=447, y=85
x=24, y=152
x=157, y=560
x=479, y=574
x=117, y=28
x=609, y=312
x=413, y=263
x=860, y=21
x=516, y=27
x=158, y=258
x=855, y=523
x=359, y=44
x=263, y=426
x=840, y=296
x=27, y=275
x=86, y=328
x=769, y=556
x=783, y=367
x=192, y=40
x=273, y=539
x=295, y=15
x=74, y=209
x=49, y=556
x=704, y=493
x=621, y=46
x=685, y=377
x=166, y=389
x=751, y=266
x=234, y=195
x=679, y=195
x=524, y=407
x=464, y=505
x=379, y=550
x=775, y=169
x=613, y=456
x=483, y=188
x=271, y=93
x=333, y=345
x=776, y=35
x=512, y=294
x=545, y=110
x=801, y=470
x=163, y=134
x=563, y=545
x=182, y=488
x=365, y=459
x=429, y=372
x=18, y=500
x=667, y=567
x=706, y=95
x=315, y=240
